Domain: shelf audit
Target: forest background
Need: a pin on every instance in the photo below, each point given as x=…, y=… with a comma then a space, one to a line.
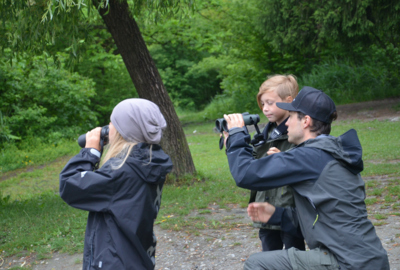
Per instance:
x=212, y=58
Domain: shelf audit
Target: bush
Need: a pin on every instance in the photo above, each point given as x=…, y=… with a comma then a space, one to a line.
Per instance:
x=41, y=100
x=346, y=82
x=241, y=80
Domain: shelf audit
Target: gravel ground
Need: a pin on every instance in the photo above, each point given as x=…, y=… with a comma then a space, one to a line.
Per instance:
x=212, y=248
x=222, y=249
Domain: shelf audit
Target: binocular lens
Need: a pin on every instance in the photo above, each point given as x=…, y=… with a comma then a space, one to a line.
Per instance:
x=221, y=125
x=249, y=119
x=103, y=136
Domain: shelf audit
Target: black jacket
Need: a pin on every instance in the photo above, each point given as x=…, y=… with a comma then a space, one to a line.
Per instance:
x=122, y=205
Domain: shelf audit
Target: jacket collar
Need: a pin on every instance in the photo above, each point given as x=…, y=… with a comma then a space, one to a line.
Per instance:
x=277, y=131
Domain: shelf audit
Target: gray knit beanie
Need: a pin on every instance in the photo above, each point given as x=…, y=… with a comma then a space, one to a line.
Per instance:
x=138, y=120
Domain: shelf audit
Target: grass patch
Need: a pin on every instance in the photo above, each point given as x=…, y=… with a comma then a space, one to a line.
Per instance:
x=377, y=192
x=380, y=223
x=34, y=153
x=371, y=184
x=188, y=117
x=381, y=148
x=42, y=224
x=389, y=198
x=370, y=201
x=380, y=216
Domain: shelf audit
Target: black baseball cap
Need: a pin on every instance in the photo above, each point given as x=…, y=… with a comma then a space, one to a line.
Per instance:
x=312, y=102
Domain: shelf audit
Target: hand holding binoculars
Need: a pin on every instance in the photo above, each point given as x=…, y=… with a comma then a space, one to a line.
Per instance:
x=249, y=119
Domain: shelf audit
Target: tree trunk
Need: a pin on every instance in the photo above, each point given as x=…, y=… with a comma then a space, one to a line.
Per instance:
x=147, y=80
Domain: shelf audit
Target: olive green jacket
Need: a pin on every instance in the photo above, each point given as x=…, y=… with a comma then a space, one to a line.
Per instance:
x=282, y=196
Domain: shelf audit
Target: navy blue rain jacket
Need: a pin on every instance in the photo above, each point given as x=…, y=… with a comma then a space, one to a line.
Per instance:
x=122, y=205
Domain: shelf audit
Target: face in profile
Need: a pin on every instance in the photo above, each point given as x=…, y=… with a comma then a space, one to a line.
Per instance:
x=295, y=131
x=271, y=111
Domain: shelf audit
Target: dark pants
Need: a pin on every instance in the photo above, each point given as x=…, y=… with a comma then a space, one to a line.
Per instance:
x=275, y=239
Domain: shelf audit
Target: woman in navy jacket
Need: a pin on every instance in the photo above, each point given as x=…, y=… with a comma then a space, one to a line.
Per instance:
x=124, y=195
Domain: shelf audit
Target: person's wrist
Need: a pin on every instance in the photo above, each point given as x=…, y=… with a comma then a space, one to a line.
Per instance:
x=93, y=145
x=235, y=130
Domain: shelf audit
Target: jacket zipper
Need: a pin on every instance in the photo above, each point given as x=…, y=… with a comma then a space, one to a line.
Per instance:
x=91, y=252
x=315, y=208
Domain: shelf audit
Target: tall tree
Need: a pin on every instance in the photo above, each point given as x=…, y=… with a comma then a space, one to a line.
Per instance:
x=146, y=78
x=21, y=23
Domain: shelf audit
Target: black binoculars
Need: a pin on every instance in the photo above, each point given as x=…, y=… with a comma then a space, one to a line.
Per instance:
x=103, y=137
x=249, y=119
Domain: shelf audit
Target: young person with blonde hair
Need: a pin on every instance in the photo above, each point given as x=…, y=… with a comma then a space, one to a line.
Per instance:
x=277, y=88
x=124, y=195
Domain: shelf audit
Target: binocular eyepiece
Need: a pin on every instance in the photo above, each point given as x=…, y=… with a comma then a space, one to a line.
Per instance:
x=103, y=137
x=249, y=119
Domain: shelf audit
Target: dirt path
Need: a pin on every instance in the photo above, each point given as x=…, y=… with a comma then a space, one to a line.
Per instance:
x=229, y=248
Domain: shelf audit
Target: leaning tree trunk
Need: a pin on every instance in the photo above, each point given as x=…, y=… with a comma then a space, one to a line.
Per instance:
x=147, y=80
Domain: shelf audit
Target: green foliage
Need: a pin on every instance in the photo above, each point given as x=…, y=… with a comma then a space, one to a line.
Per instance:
x=38, y=99
x=217, y=48
x=5, y=133
x=112, y=81
x=32, y=27
x=334, y=27
x=346, y=82
x=177, y=45
x=51, y=25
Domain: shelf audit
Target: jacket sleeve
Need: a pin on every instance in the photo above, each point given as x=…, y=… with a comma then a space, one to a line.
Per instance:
x=280, y=169
x=287, y=219
x=83, y=188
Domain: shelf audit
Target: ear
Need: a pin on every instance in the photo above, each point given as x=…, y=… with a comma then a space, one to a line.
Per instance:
x=288, y=99
x=307, y=121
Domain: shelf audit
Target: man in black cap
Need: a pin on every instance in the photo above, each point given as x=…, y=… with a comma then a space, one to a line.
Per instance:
x=324, y=171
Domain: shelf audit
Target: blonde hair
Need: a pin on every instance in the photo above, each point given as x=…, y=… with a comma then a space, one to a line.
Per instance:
x=118, y=149
x=283, y=85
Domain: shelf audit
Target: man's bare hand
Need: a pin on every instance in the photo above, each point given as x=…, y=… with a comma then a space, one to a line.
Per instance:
x=260, y=212
x=234, y=120
x=273, y=150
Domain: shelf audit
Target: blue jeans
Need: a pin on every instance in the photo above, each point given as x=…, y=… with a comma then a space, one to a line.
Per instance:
x=275, y=239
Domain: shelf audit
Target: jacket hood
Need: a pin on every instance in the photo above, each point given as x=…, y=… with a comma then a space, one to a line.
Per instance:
x=345, y=148
x=151, y=166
